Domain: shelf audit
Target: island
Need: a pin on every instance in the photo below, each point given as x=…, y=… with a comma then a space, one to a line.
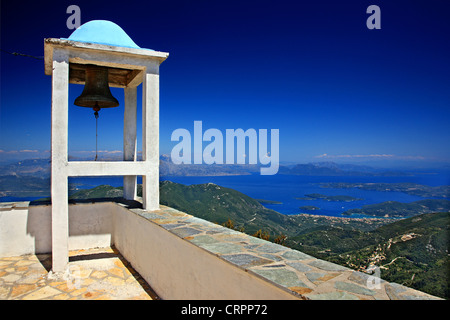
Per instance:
x=318, y=196
x=309, y=208
x=406, y=187
x=394, y=209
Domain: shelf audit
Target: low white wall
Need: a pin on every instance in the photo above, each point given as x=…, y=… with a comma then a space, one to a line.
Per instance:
x=27, y=230
x=91, y=226
x=16, y=238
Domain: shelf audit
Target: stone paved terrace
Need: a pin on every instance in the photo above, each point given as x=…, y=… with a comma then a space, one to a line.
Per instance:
x=97, y=274
x=303, y=275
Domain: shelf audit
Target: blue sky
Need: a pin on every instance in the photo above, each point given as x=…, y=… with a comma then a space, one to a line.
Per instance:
x=336, y=90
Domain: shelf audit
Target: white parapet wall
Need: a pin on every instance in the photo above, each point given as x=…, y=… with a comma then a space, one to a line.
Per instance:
x=27, y=229
x=24, y=230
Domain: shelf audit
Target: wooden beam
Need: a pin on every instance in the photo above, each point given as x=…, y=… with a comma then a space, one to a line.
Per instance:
x=120, y=78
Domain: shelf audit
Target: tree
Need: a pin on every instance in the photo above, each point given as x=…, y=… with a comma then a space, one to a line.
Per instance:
x=262, y=235
x=229, y=224
x=280, y=239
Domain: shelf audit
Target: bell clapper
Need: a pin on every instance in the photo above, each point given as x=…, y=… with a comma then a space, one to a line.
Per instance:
x=96, y=109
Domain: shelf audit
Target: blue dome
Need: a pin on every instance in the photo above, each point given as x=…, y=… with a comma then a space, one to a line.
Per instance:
x=103, y=32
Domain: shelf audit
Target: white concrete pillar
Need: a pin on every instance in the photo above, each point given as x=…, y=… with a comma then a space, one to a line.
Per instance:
x=150, y=138
x=129, y=140
x=59, y=151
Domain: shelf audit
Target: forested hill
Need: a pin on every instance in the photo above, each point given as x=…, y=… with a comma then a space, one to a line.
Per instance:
x=413, y=252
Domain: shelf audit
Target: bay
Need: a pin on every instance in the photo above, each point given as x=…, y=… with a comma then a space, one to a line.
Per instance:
x=286, y=188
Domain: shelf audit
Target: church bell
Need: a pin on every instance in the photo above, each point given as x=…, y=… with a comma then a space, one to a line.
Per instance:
x=96, y=93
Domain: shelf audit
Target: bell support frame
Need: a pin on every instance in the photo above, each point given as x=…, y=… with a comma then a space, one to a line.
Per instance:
x=129, y=67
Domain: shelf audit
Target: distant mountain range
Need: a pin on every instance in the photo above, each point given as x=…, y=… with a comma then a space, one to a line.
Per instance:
x=335, y=169
x=41, y=168
x=32, y=176
x=168, y=168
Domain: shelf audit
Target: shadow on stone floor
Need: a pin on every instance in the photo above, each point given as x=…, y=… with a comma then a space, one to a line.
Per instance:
x=102, y=265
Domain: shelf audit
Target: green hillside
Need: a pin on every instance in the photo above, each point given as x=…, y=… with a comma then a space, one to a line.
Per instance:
x=103, y=191
x=412, y=251
x=218, y=204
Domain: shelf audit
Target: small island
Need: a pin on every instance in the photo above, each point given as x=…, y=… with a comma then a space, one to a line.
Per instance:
x=309, y=208
x=406, y=187
x=318, y=196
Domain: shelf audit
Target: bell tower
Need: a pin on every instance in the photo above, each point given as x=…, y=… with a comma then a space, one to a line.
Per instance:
x=97, y=48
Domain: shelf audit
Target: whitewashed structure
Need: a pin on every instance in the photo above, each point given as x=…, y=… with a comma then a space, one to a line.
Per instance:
x=102, y=43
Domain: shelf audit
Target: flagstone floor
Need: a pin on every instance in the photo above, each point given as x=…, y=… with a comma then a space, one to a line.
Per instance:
x=94, y=274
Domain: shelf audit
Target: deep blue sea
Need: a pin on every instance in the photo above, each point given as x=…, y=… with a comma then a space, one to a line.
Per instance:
x=286, y=188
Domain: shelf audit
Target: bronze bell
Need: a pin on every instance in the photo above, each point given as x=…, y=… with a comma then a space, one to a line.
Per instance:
x=96, y=93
